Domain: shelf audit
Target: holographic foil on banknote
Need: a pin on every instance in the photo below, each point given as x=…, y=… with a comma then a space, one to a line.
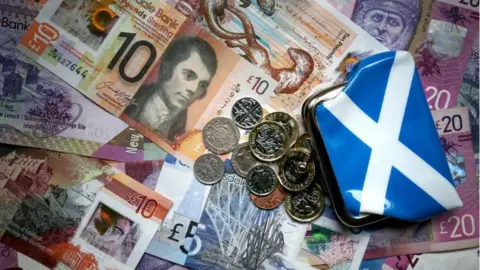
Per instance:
x=444, y=55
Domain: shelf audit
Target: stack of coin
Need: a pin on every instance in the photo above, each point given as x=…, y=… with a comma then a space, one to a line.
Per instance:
x=276, y=161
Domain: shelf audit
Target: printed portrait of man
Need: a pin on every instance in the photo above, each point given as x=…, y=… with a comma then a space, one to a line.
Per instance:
x=187, y=66
x=392, y=22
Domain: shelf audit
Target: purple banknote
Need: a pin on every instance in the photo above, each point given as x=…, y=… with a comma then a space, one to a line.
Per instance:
x=455, y=229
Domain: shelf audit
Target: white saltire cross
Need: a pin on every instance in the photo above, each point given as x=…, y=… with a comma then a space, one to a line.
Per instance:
x=386, y=149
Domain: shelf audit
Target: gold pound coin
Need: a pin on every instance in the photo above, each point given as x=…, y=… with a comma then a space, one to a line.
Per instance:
x=304, y=141
x=288, y=122
x=268, y=141
x=306, y=205
x=296, y=172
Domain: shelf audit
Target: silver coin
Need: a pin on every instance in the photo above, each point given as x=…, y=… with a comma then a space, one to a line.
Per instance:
x=261, y=180
x=209, y=169
x=243, y=160
x=247, y=112
x=220, y=135
x=288, y=122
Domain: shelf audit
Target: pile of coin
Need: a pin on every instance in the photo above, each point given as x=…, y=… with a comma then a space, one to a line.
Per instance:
x=275, y=161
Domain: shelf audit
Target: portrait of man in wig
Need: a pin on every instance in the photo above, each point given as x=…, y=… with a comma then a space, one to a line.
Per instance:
x=392, y=22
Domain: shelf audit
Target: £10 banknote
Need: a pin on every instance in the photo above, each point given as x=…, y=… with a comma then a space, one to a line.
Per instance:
x=303, y=45
x=38, y=109
x=62, y=209
x=146, y=63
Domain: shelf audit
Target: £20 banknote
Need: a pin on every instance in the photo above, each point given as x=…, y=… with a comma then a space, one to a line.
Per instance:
x=455, y=229
x=146, y=63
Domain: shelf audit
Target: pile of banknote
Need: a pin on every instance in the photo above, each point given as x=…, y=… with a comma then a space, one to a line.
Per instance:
x=139, y=134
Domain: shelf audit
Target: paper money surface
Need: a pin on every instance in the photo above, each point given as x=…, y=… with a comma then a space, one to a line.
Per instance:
x=439, y=33
x=38, y=109
x=145, y=172
x=397, y=24
x=279, y=262
x=231, y=231
x=187, y=194
x=328, y=244
x=68, y=210
x=444, y=55
x=158, y=71
x=177, y=182
x=452, y=230
x=468, y=96
x=10, y=259
x=459, y=259
x=305, y=43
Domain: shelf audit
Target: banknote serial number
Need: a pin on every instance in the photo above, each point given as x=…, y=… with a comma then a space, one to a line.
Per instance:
x=54, y=54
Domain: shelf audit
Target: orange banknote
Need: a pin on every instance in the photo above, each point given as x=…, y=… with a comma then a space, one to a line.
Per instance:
x=146, y=63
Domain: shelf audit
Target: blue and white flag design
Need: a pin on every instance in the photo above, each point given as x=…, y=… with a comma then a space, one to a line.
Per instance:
x=383, y=144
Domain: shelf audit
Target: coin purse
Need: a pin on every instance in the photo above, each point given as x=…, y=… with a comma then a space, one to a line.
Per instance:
x=377, y=146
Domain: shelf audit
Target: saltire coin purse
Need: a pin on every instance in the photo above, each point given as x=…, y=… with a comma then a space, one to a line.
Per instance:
x=376, y=143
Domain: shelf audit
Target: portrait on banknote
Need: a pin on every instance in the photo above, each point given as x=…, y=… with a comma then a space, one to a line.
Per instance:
x=111, y=233
x=75, y=16
x=186, y=68
x=392, y=22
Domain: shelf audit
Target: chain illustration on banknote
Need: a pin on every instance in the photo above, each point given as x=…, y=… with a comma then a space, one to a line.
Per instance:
x=299, y=23
x=290, y=79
